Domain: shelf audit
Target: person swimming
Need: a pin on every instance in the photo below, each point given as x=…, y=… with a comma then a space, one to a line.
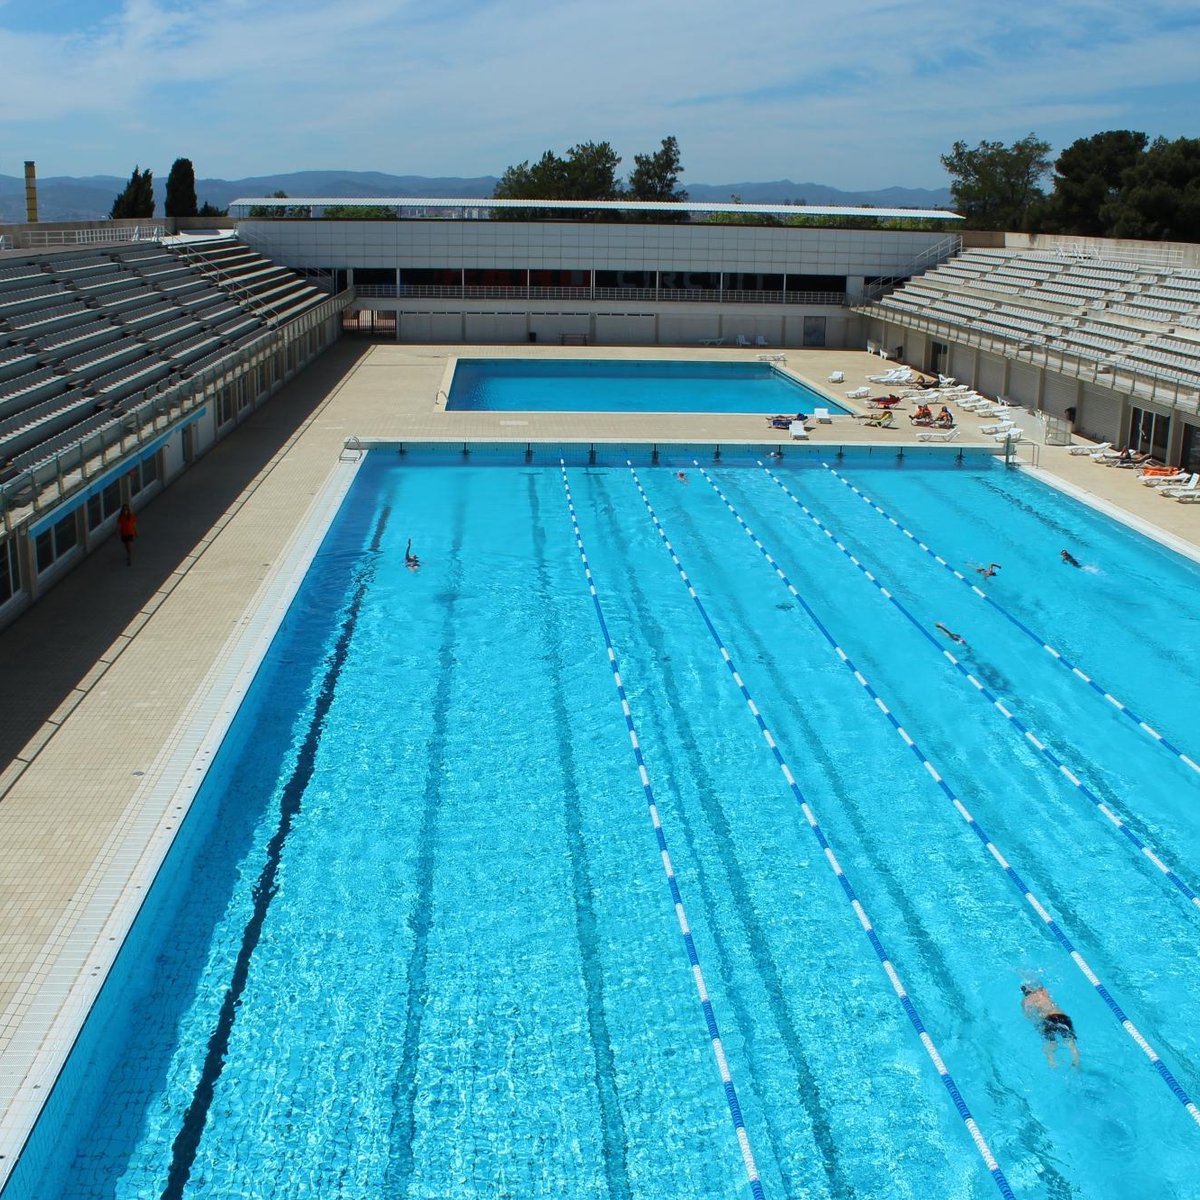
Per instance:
x=1042, y=1009
x=988, y=571
x=681, y=476
x=1070, y=559
x=954, y=637
x=411, y=561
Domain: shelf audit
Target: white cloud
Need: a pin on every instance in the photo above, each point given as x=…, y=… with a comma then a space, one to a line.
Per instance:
x=866, y=92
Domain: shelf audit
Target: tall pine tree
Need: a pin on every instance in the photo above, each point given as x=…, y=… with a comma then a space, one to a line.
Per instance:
x=137, y=200
x=181, y=189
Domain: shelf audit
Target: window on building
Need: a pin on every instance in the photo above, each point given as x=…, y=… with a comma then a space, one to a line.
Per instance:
x=430, y=277
x=816, y=283
x=103, y=504
x=52, y=543
x=559, y=278
x=624, y=279
x=747, y=281
x=10, y=574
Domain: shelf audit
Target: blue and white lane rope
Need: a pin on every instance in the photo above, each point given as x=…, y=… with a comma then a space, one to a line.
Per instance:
x=1014, y=878
x=1049, y=755
x=860, y=912
x=735, y=1109
x=1057, y=655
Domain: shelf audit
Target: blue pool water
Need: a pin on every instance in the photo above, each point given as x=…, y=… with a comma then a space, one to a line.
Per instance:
x=417, y=940
x=609, y=385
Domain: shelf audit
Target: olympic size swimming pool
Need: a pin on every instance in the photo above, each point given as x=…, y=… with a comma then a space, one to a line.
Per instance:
x=620, y=385
x=719, y=879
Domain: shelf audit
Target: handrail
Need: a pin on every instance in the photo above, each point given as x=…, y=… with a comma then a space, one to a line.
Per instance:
x=1150, y=385
x=671, y=295
x=30, y=239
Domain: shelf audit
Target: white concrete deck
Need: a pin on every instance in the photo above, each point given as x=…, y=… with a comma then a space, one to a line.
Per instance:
x=117, y=683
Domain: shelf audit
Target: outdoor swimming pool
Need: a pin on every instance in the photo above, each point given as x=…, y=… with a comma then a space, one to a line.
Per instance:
x=616, y=385
x=422, y=935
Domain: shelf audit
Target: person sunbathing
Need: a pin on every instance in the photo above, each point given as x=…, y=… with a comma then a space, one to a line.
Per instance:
x=945, y=419
x=1128, y=458
x=923, y=415
x=883, y=421
x=782, y=421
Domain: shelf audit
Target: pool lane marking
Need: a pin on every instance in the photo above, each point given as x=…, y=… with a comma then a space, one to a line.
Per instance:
x=710, y=1018
x=982, y=689
x=860, y=913
x=191, y=1130
x=1057, y=655
x=989, y=846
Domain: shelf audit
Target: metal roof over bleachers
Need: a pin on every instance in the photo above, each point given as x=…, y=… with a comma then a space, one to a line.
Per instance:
x=451, y=207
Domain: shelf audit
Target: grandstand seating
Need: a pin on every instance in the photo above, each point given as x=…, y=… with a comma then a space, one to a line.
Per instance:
x=1116, y=312
x=81, y=332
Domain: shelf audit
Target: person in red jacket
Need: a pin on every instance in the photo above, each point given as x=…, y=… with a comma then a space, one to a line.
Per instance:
x=127, y=530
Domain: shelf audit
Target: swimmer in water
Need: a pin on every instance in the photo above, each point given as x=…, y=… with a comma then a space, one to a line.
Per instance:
x=681, y=476
x=1042, y=1009
x=954, y=637
x=988, y=571
x=411, y=561
x=1070, y=559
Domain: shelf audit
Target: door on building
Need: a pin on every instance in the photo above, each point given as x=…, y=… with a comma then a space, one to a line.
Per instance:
x=1149, y=432
x=814, y=331
x=939, y=358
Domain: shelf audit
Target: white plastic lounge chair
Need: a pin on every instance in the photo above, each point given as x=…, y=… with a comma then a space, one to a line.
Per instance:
x=1175, y=479
x=938, y=435
x=771, y=357
x=1182, y=490
x=1099, y=448
x=858, y=393
x=997, y=427
x=1188, y=497
x=822, y=417
x=712, y=341
x=761, y=341
x=895, y=375
x=1009, y=435
x=837, y=377
x=946, y=381
x=798, y=432
x=743, y=340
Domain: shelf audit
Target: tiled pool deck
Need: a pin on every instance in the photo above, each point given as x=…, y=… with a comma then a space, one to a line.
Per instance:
x=116, y=684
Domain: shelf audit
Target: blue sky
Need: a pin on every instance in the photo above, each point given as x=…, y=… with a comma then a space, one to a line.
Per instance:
x=857, y=94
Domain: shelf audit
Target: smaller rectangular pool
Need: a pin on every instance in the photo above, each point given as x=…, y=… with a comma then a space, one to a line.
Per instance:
x=608, y=385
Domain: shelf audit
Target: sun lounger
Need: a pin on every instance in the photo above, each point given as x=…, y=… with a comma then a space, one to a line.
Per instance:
x=761, y=341
x=858, y=393
x=743, y=340
x=885, y=420
x=837, y=377
x=946, y=381
x=1099, y=448
x=712, y=341
x=822, y=417
x=1157, y=477
x=896, y=375
x=1009, y=435
x=997, y=427
x=1180, y=491
x=798, y=431
x=938, y=435
x=1188, y=497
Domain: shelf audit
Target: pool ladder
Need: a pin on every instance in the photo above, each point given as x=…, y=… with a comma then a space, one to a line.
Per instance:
x=352, y=450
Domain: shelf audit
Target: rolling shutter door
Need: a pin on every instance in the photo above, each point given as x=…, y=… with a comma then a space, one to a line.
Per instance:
x=962, y=363
x=1023, y=384
x=1060, y=394
x=1100, y=415
x=991, y=375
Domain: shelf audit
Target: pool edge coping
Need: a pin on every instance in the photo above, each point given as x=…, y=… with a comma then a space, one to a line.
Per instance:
x=66, y=981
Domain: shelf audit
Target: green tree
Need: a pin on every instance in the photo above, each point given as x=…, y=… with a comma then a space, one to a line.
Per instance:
x=137, y=200
x=360, y=212
x=285, y=212
x=994, y=185
x=181, y=189
x=747, y=218
x=588, y=172
x=211, y=210
x=1088, y=179
x=1159, y=198
x=656, y=177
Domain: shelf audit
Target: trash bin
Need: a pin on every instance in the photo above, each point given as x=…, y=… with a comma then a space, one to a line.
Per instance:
x=532, y=336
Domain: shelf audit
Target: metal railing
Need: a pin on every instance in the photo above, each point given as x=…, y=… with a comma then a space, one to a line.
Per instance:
x=230, y=284
x=31, y=239
x=931, y=256
x=1149, y=385
x=47, y=483
x=669, y=295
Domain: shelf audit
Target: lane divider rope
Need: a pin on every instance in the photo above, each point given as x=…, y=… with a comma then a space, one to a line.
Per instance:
x=993, y=851
x=1067, y=772
x=1057, y=655
x=856, y=905
x=718, y=1048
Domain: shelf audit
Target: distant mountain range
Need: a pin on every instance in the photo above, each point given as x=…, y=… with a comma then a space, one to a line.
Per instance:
x=62, y=198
